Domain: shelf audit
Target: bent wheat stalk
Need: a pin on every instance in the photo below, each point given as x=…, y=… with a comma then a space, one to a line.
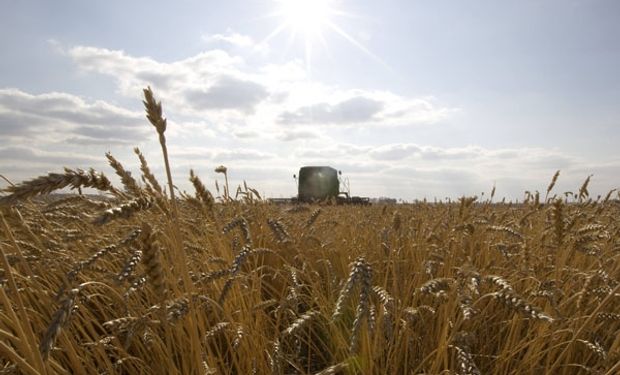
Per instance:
x=56, y=181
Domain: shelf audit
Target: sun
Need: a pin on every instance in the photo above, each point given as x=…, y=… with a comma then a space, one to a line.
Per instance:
x=308, y=17
x=312, y=21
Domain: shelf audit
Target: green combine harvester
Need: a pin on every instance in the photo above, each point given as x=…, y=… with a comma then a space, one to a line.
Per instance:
x=321, y=184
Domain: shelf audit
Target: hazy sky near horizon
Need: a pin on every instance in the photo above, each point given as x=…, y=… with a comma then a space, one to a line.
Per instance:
x=409, y=98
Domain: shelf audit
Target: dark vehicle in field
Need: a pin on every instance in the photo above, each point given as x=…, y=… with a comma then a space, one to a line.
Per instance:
x=320, y=184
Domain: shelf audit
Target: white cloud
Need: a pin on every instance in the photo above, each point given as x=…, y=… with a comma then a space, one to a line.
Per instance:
x=28, y=155
x=215, y=155
x=237, y=40
x=394, y=152
x=367, y=108
x=230, y=37
x=60, y=116
x=132, y=74
x=357, y=109
x=289, y=135
x=246, y=134
x=228, y=93
x=224, y=89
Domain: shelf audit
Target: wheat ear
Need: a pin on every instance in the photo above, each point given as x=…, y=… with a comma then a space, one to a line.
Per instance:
x=130, y=184
x=125, y=210
x=60, y=318
x=155, y=117
x=146, y=172
x=55, y=181
x=201, y=191
x=152, y=262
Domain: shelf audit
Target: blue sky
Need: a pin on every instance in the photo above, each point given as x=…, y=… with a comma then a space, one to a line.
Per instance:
x=409, y=99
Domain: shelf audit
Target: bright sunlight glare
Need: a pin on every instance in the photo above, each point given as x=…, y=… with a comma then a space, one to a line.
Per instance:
x=310, y=19
x=306, y=16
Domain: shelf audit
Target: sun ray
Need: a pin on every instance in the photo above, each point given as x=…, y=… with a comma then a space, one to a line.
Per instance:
x=357, y=44
x=274, y=33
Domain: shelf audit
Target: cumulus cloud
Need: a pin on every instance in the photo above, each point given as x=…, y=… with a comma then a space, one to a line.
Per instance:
x=228, y=93
x=289, y=135
x=217, y=81
x=132, y=73
x=358, y=109
x=201, y=154
x=534, y=157
x=394, y=152
x=63, y=116
x=231, y=37
x=24, y=154
x=335, y=151
x=367, y=108
x=245, y=134
x=237, y=40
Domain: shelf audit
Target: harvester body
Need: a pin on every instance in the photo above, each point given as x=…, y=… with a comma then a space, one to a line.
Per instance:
x=322, y=183
x=317, y=183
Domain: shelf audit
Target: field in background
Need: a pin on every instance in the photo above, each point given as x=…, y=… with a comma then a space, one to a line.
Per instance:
x=146, y=284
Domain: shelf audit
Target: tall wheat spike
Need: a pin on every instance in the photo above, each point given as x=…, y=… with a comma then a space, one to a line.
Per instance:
x=154, y=114
x=554, y=179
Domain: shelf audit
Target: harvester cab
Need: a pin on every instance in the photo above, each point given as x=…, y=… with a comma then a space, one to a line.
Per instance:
x=321, y=183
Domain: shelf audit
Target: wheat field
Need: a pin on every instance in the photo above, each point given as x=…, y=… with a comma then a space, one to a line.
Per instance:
x=144, y=282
